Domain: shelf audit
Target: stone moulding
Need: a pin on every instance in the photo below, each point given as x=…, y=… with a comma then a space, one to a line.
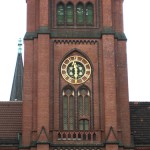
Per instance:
x=91, y=42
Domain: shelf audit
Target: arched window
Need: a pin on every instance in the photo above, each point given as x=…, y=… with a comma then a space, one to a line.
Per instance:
x=83, y=124
x=83, y=108
x=89, y=14
x=68, y=108
x=80, y=13
x=60, y=14
x=69, y=14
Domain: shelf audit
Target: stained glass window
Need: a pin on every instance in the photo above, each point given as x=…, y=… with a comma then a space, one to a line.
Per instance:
x=69, y=13
x=60, y=14
x=83, y=102
x=89, y=14
x=83, y=107
x=80, y=13
x=83, y=124
x=68, y=108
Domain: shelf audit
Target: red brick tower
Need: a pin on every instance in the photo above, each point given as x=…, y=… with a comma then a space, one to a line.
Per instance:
x=75, y=93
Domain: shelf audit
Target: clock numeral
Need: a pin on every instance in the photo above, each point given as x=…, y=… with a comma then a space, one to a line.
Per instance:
x=86, y=75
x=65, y=76
x=87, y=69
x=70, y=80
x=86, y=64
x=63, y=70
x=70, y=59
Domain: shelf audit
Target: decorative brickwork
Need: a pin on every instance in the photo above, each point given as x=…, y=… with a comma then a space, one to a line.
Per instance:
x=75, y=90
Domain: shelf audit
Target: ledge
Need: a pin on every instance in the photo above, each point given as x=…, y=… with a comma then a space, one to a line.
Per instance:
x=92, y=34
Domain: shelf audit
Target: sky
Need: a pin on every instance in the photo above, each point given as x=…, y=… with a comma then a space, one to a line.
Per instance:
x=136, y=27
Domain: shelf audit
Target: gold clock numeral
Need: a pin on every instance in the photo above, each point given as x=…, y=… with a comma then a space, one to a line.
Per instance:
x=88, y=69
x=86, y=75
x=70, y=80
x=66, y=78
x=64, y=75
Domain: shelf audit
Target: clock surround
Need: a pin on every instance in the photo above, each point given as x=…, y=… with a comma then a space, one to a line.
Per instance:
x=76, y=69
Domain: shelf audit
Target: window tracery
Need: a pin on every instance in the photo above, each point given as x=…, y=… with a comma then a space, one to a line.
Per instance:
x=66, y=14
x=68, y=108
x=69, y=101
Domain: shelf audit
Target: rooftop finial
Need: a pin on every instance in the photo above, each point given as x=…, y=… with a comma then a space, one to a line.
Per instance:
x=19, y=45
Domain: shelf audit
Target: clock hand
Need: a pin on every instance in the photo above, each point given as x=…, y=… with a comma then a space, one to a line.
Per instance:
x=75, y=71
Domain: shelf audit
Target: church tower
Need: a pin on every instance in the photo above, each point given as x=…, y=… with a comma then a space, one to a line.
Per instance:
x=75, y=90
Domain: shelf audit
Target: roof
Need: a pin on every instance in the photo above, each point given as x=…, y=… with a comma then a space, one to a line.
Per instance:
x=16, y=91
x=10, y=122
x=140, y=122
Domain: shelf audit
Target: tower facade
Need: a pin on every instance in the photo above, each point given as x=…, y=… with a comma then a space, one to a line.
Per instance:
x=75, y=90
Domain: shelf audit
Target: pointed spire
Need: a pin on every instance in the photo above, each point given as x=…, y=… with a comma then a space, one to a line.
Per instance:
x=16, y=91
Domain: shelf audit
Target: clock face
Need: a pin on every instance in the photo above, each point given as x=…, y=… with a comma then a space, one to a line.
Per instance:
x=75, y=69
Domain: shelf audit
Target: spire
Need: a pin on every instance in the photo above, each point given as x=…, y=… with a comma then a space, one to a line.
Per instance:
x=16, y=91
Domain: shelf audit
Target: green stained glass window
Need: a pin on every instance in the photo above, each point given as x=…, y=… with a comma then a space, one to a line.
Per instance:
x=83, y=124
x=71, y=115
x=69, y=13
x=89, y=14
x=86, y=105
x=68, y=108
x=80, y=13
x=80, y=105
x=60, y=14
x=86, y=125
x=65, y=112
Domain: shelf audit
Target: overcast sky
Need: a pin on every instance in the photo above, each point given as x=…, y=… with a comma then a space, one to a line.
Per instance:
x=137, y=30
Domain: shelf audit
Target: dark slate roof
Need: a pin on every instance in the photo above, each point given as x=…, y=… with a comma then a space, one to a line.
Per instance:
x=140, y=122
x=10, y=122
x=16, y=91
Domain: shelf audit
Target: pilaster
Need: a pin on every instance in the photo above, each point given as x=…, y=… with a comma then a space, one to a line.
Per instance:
x=27, y=93
x=107, y=13
x=122, y=92
x=31, y=15
x=110, y=108
x=43, y=13
x=118, y=15
x=43, y=97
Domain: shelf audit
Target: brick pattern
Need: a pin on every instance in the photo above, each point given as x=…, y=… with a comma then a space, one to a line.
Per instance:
x=140, y=122
x=43, y=13
x=10, y=121
x=122, y=91
x=67, y=49
x=110, y=104
x=43, y=82
x=107, y=13
x=27, y=92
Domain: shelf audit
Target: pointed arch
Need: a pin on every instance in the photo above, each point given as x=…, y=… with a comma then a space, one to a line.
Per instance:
x=80, y=13
x=89, y=14
x=69, y=13
x=60, y=13
x=68, y=93
x=80, y=52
